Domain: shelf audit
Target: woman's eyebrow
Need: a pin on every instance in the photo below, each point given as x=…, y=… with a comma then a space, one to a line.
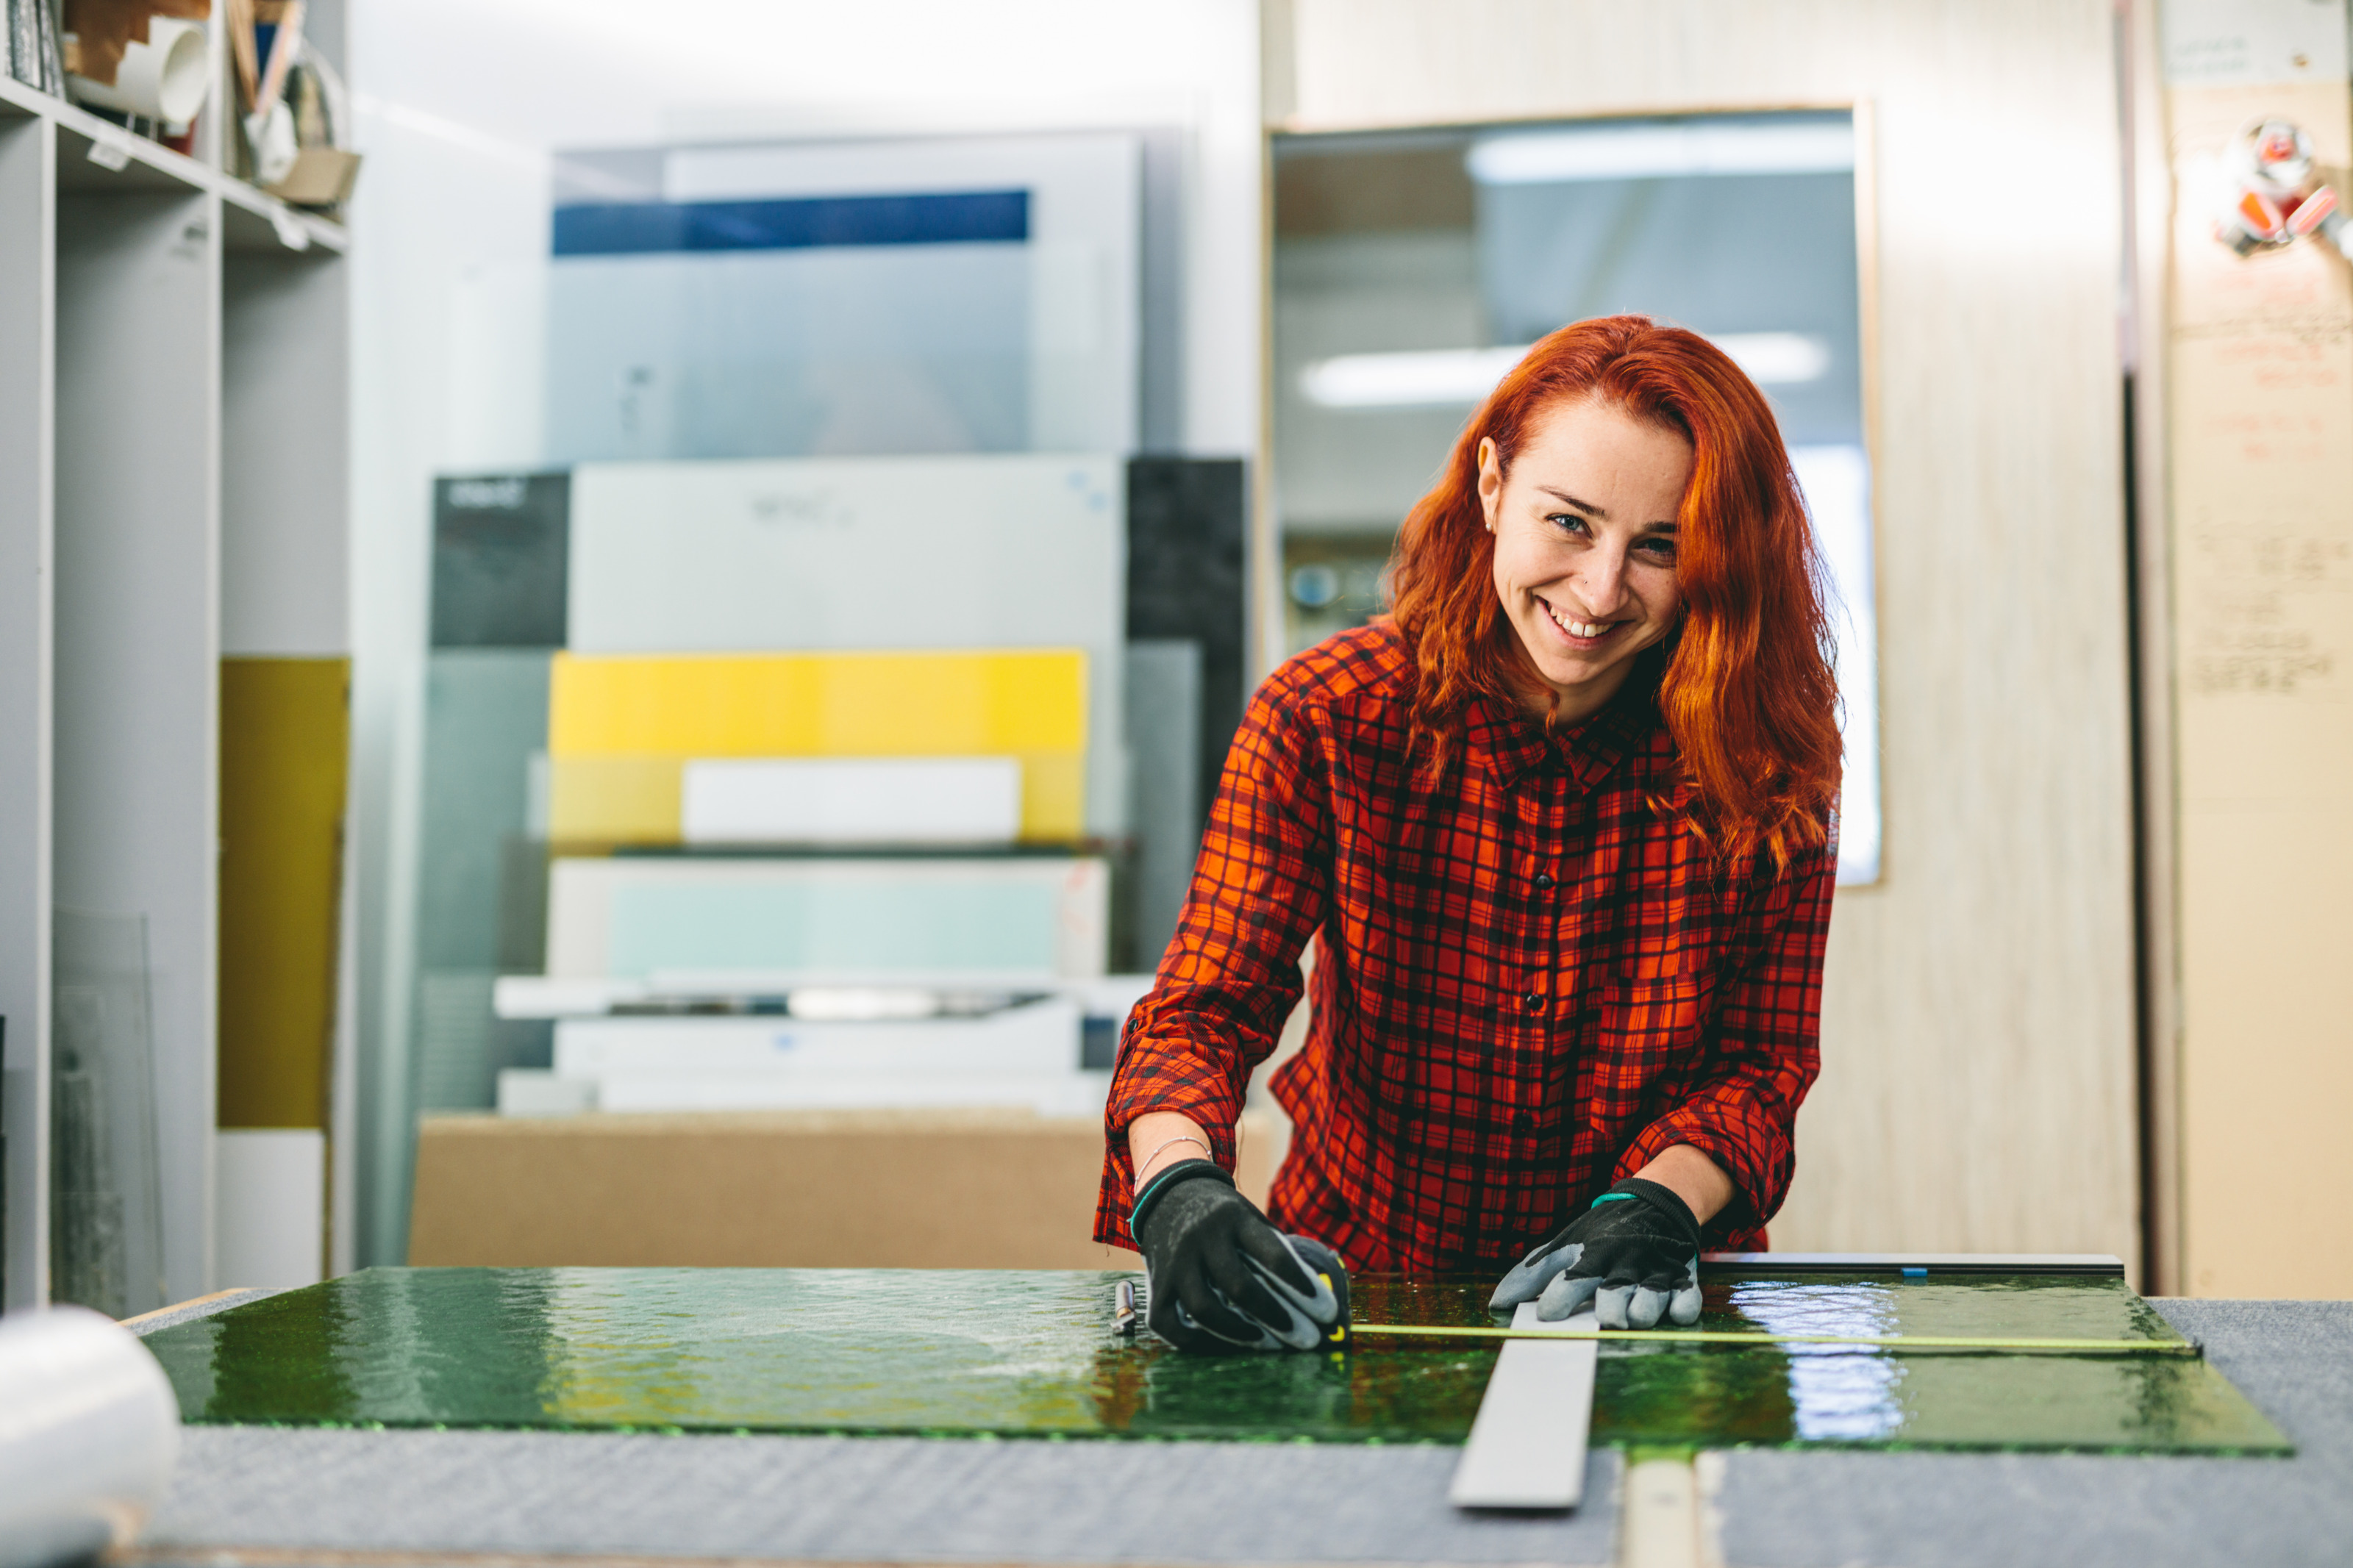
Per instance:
x=1583, y=506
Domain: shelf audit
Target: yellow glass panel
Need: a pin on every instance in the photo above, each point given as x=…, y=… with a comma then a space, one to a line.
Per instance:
x=819, y=704
x=284, y=734
x=1053, y=795
x=613, y=800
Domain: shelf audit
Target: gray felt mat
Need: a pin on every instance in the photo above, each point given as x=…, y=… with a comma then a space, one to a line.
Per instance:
x=283, y=1492
x=2294, y=1359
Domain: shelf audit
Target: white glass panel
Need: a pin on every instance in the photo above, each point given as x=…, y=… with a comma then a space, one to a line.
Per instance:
x=860, y=800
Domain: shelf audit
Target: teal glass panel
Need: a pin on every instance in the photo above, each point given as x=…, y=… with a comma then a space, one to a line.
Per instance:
x=889, y=916
x=961, y=1353
x=485, y=715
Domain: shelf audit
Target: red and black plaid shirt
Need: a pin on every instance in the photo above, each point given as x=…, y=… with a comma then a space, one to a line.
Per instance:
x=1529, y=982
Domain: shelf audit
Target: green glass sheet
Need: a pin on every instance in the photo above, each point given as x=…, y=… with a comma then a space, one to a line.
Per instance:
x=1032, y=1353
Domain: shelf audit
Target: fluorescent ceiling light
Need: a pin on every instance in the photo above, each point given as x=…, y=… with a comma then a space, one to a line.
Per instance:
x=1433, y=378
x=1449, y=378
x=1661, y=151
x=1777, y=358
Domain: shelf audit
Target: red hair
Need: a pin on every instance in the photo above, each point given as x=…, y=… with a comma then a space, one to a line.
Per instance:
x=1744, y=681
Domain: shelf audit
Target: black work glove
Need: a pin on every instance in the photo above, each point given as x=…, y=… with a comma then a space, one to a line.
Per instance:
x=1219, y=1277
x=1634, y=1254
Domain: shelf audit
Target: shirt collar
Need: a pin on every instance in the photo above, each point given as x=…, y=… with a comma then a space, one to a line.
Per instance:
x=1510, y=744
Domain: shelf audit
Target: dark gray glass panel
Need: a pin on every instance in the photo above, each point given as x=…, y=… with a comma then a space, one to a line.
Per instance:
x=501, y=543
x=1185, y=583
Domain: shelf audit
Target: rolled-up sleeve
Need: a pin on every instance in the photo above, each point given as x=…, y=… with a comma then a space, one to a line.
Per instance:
x=1231, y=976
x=1763, y=1050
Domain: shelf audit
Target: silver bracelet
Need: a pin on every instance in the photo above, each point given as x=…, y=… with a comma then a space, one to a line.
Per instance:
x=1183, y=1138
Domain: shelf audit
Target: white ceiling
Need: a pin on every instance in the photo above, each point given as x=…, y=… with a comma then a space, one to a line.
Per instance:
x=587, y=73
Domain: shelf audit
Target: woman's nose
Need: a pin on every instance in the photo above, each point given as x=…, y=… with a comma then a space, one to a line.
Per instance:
x=1603, y=581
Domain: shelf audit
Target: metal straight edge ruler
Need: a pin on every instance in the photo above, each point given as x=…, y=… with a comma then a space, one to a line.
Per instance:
x=1527, y=1443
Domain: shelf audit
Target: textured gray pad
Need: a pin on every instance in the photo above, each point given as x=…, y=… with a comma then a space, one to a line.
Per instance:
x=867, y=1499
x=2294, y=1359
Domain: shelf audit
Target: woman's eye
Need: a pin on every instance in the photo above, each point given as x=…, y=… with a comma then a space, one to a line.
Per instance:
x=1568, y=523
x=1659, y=552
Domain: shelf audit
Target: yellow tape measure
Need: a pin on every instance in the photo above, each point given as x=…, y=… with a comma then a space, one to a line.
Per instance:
x=1712, y=1337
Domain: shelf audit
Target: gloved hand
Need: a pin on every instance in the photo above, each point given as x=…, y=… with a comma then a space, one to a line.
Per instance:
x=1220, y=1278
x=1634, y=1254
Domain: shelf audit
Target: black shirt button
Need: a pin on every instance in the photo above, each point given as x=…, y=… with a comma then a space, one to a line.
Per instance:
x=1544, y=878
x=1532, y=1001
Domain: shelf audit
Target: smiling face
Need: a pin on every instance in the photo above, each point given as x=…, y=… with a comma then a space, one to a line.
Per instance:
x=1585, y=545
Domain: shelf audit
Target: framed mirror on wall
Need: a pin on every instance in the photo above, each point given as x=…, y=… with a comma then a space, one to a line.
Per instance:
x=1412, y=270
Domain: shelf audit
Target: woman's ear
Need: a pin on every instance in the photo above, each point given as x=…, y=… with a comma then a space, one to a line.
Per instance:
x=1491, y=480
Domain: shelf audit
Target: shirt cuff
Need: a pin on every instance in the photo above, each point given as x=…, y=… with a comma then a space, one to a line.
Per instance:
x=1213, y=1111
x=1759, y=1180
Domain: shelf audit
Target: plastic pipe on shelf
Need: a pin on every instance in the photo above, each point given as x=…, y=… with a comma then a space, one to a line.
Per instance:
x=163, y=78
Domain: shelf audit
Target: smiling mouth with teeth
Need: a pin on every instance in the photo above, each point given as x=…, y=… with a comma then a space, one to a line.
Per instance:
x=1574, y=627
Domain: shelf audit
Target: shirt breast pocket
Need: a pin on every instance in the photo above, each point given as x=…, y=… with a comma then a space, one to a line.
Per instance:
x=1652, y=963
x=1653, y=999
x=1654, y=940
x=1648, y=1022
x=1653, y=995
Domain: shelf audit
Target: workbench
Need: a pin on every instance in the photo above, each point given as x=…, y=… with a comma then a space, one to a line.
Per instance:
x=287, y=1496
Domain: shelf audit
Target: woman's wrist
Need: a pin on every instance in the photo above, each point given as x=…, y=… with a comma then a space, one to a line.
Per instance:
x=1152, y=1164
x=1692, y=1177
x=1159, y=1138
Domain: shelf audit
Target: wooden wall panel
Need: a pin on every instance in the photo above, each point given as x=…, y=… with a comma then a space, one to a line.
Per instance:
x=2261, y=459
x=1979, y=1086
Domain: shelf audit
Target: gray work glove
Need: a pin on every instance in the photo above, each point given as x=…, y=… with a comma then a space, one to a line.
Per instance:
x=1634, y=1255
x=1219, y=1276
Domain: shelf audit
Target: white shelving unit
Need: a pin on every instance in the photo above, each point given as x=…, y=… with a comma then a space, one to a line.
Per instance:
x=172, y=488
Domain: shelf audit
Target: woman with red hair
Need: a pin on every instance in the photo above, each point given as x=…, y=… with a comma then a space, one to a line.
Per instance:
x=1562, y=825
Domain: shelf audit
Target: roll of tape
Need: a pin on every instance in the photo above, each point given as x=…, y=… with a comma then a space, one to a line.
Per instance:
x=89, y=1429
x=163, y=78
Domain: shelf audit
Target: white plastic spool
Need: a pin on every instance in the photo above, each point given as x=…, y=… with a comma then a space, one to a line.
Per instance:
x=88, y=1430
x=163, y=78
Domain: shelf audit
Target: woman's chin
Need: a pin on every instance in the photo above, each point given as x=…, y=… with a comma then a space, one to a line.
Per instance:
x=1584, y=683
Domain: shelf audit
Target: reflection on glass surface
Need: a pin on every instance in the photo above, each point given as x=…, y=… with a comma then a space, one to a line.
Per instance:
x=1841, y=1393
x=1413, y=269
x=1333, y=582
x=1726, y=144
x=1444, y=378
x=1836, y=481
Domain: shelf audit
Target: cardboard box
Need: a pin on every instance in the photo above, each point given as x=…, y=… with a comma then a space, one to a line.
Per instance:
x=863, y=1189
x=318, y=177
